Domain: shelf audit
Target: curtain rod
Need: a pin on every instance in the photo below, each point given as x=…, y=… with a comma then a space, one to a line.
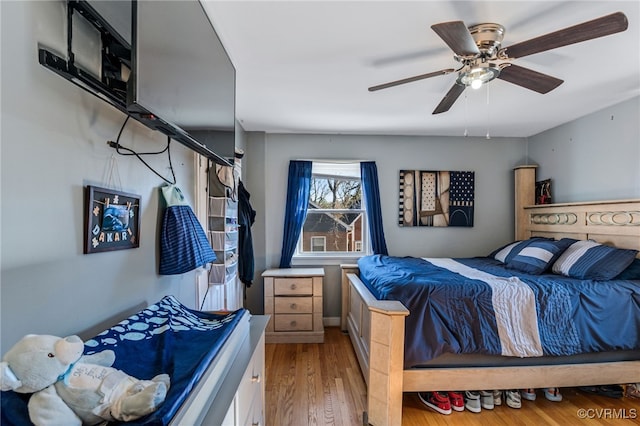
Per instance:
x=324, y=160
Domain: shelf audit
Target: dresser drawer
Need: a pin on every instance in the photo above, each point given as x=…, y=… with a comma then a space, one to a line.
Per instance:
x=256, y=413
x=293, y=286
x=293, y=322
x=250, y=389
x=293, y=305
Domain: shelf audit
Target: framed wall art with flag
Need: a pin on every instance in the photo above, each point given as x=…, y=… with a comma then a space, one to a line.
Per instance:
x=436, y=198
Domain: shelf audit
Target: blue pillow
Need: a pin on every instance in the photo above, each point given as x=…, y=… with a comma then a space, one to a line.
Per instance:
x=588, y=260
x=536, y=257
x=632, y=272
x=505, y=253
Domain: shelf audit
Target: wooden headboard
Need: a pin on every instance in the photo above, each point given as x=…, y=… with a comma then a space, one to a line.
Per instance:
x=616, y=222
x=613, y=222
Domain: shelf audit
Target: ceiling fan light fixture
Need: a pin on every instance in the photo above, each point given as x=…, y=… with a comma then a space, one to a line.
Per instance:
x=477, y=76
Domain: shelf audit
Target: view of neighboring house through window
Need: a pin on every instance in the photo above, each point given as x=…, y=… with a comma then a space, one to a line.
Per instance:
x=336, y=218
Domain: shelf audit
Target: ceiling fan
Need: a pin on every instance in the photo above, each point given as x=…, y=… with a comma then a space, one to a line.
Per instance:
x=478, y=49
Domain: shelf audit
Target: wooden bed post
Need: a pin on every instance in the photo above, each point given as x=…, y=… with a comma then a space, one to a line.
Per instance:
x=386, y=365
x=525, y=195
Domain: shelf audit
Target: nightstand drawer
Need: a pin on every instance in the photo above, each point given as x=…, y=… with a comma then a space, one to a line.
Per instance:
x=293, y=305
x=293, y=322
x=293, y=286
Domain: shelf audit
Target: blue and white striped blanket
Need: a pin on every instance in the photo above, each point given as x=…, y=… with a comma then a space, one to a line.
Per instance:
x=476, y=305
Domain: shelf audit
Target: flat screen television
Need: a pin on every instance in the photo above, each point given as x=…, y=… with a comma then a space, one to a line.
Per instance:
x=162, y=63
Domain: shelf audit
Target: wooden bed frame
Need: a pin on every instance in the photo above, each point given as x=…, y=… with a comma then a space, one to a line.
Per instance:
x=376, y=328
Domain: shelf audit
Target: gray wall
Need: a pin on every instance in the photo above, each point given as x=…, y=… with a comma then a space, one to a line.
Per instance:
x=596, y=157
x=53, y=143
x=492, y=160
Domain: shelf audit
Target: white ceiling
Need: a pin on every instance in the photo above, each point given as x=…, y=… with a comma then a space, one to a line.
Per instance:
x=305, y=66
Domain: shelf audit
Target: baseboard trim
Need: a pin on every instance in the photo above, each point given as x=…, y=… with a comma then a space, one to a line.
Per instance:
x=331, y=321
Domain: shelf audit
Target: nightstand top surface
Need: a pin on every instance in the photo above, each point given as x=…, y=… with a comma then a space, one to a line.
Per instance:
x=294, y=272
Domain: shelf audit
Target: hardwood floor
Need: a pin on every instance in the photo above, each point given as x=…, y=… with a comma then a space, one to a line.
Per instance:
x=321, y=384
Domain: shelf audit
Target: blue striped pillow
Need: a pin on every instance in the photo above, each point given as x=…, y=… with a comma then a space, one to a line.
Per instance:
x=505, y=253
x=632, y=272
x=536, y=257
x=588, y=260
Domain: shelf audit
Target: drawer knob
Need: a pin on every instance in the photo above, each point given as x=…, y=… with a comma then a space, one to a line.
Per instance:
x=293, y=323
x=293, y=306
x=255, y=424
x=293, y=286
x=256, y=378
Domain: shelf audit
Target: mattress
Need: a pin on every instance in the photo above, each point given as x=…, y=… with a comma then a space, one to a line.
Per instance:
x=449, y=360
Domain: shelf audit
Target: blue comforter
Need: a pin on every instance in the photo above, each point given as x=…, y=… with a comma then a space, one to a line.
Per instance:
x=476, y=305
x=166, y=337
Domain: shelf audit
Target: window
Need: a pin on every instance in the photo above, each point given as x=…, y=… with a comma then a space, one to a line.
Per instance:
x=336, y=222
x=318, y=243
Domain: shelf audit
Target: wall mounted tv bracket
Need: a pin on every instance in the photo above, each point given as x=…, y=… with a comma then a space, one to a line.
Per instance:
x=111, y=87
x=116, y=53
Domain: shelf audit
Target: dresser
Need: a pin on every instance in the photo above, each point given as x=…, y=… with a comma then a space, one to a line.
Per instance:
x=246, y=378
x=293, y=299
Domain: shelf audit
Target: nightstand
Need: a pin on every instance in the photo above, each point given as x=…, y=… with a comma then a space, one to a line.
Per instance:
x=293, y=299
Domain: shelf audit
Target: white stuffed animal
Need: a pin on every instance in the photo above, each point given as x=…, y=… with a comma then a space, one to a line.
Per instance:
x=71, y=389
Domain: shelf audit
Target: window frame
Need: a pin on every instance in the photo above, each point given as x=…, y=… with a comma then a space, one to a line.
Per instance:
x=299, y=254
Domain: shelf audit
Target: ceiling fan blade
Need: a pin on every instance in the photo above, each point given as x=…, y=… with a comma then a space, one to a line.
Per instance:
x=529, y=79
x=458, y=38
x=410, y=79
x=408, y=56
x=600, y=27
x=449, y=99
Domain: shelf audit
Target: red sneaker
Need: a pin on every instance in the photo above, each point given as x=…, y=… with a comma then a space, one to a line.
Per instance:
x=457, y=400
x=438, y=401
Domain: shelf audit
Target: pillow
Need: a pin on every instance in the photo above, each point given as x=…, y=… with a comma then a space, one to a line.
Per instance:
x=588, y=260
x=632, y=272
x=505, y=253
x=536, y=257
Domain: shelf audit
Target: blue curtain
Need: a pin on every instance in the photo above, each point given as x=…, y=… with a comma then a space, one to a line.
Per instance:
x=371, y=191
x=298, y=189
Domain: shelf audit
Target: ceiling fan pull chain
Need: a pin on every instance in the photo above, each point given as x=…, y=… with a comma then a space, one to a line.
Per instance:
x=466, y=116
x=488, y=113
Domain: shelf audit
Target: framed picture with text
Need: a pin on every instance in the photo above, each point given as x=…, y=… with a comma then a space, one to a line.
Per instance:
x=112, y=220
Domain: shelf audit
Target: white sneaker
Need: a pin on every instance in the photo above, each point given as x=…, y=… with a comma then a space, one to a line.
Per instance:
x=497, y=397
x=528, y=394
x=472, y=401
x=553, y=394
x=486, y=400
x=513, y=398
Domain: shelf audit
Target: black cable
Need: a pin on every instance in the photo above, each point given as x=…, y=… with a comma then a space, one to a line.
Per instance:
x=129, y=151
x=206, y=293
